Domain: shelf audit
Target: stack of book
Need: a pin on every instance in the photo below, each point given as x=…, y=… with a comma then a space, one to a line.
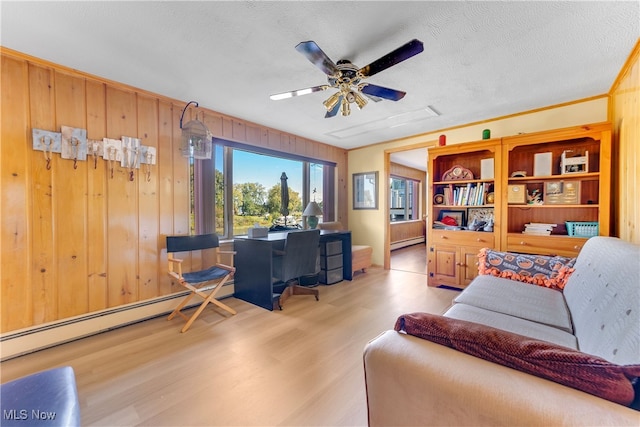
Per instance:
x=469, y=195
x=538, y=228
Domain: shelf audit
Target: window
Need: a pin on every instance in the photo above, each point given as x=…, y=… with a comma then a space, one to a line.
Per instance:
x=257, y=187
x=241, y=186
x=404, y=199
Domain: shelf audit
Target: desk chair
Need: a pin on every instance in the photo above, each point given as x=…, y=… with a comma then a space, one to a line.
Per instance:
x=360, y=254
x=299, y=258
x=205, y=283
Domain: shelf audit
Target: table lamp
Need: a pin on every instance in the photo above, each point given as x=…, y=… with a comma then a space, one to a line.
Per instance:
x=312, y=211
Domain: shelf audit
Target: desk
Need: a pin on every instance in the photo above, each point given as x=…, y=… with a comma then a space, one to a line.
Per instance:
x=254, y=264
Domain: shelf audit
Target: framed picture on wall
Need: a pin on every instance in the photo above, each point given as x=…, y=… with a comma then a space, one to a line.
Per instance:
x=365, y=190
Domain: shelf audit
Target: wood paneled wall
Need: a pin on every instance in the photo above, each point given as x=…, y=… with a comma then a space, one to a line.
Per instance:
x=625, y=112
x=76, y=241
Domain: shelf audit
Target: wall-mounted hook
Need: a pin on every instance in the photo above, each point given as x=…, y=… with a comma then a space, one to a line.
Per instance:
x=74, y=144
x=46, y=149
x=112, y=155
x=48, y=142
x=74, y=150
x=148, y=160
x=93, y=148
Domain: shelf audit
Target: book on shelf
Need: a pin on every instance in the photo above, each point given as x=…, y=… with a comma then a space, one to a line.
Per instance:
x=539, y=228
x=465, y=195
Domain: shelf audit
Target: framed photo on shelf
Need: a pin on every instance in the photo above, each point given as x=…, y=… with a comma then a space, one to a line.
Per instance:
x=517, y=194
x=562, y=193
x=365, y=190
x=457, y=215
x=480, y=214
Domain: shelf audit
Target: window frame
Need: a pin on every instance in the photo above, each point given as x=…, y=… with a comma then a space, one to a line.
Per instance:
x=415, y=198
x=204, y=221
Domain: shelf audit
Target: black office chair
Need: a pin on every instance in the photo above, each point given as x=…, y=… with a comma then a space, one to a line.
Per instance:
x=295, y=265
x=205, y=283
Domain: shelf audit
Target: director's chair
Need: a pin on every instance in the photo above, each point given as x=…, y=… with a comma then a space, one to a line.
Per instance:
x=205, y=283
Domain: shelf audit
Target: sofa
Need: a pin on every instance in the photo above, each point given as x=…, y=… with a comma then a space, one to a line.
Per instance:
x=447, y=375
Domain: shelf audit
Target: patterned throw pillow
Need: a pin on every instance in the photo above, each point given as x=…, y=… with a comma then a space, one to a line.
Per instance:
x=550, y=271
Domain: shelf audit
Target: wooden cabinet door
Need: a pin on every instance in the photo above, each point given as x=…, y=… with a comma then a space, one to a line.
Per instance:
x=444, y=261
x=469, y=265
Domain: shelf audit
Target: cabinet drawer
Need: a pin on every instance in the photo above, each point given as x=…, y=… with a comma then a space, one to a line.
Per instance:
x=545, y=245
x=331, y=248
x=480, y=239
x=331, y=262
x=329, y=277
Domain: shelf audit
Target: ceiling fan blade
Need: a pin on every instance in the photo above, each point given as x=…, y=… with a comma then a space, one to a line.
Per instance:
x=373, y=97
x=382, y=92
x=317, y=57
x=299, y=92
x=406, y=51
x=334, y=110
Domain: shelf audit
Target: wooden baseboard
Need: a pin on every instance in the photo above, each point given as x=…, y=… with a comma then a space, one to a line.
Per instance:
x=28, y=340
x=407, y=242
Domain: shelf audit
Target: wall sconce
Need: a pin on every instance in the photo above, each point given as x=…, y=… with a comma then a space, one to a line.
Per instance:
x=196, y=138
x=312, y=211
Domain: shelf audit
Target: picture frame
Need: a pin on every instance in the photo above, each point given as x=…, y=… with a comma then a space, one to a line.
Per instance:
x=561, y=193
x=517, y=194
x=480, y=214
x=459, y=216
x=365, y=190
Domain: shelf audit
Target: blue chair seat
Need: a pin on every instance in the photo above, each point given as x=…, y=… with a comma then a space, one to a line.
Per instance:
x=212, y=273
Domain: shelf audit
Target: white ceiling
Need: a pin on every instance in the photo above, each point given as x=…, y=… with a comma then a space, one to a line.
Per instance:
x=481, y=59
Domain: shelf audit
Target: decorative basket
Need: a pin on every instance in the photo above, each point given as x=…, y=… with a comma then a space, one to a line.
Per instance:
x=582, y=229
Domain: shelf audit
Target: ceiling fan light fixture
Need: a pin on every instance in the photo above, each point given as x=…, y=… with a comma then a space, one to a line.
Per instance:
x=345, y=109
x=359, y=100
x=332, y=101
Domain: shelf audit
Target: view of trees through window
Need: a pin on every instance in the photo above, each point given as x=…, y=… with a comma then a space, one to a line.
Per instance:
x=248, y=190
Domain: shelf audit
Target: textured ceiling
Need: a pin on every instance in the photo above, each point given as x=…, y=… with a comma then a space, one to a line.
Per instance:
x=481, y=59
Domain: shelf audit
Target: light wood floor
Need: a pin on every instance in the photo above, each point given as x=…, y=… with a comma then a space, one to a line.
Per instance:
x=410, y=258
x=300, y=366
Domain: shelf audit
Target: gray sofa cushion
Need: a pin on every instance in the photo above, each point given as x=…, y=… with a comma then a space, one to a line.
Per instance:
x=512, y=324
x=603, y=295
x=529, y=302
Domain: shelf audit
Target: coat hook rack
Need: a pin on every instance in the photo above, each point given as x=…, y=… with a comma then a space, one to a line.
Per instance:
x=47, y=142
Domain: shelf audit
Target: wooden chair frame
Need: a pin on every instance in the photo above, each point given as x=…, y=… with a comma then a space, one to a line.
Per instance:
x=206, y=289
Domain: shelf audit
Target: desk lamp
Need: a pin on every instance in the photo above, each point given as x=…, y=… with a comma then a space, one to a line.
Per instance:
x=312, y=211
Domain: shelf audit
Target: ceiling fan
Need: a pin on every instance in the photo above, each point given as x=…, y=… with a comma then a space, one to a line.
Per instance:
x=348, y=78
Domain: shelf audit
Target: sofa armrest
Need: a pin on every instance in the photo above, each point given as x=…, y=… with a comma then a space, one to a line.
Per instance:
x=47, y=398
x=411, y=381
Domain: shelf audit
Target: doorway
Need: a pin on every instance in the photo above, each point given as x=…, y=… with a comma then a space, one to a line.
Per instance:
x=407, y=252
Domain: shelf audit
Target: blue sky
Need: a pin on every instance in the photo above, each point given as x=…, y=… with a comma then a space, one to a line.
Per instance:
x=266, y=170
